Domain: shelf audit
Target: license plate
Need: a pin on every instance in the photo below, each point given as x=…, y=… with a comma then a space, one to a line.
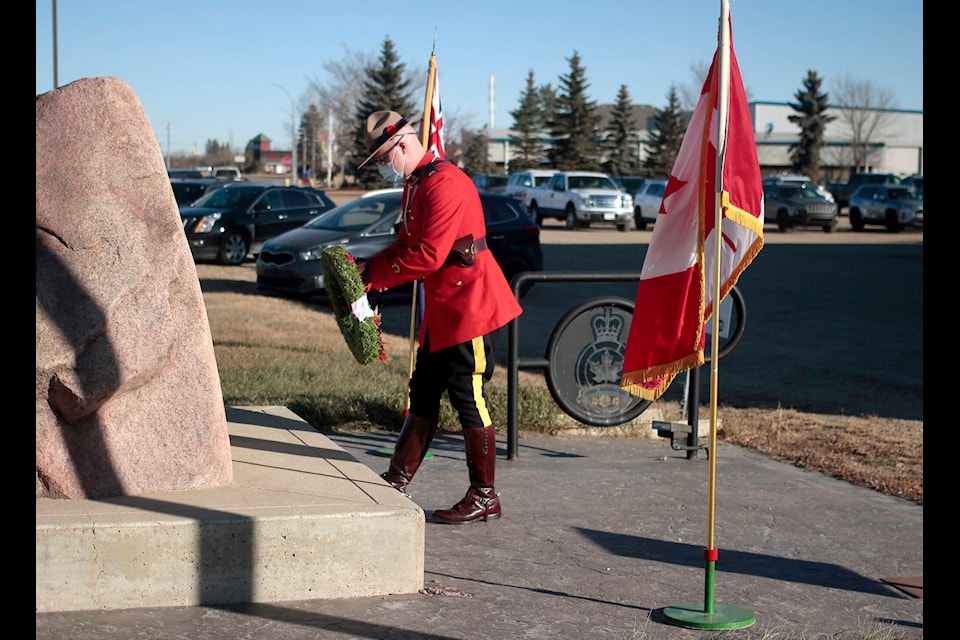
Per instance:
x=609, y=216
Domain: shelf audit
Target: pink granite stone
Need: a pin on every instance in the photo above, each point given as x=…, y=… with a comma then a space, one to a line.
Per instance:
x=128, y=393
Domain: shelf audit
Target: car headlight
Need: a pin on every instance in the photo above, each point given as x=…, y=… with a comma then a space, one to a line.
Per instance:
x=310, y=254
x=628, y=201
x=206, y=223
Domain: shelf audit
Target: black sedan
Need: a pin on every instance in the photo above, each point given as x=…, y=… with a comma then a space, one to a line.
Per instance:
x=289, y=265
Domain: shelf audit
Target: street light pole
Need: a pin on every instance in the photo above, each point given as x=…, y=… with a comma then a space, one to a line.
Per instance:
x=293, y=133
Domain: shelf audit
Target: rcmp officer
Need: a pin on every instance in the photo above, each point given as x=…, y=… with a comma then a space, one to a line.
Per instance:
x=466, y=299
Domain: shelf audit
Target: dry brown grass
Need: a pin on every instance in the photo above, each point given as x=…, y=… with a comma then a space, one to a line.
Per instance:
x=881, y=453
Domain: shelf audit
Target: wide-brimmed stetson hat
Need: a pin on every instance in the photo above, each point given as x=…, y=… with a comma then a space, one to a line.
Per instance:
x=381, y=128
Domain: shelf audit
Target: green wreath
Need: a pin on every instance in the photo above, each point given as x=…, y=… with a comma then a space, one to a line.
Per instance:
x=359, y=324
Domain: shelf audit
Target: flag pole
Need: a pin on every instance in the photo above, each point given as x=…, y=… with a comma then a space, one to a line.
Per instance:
x=707, y=614
x=424, y=140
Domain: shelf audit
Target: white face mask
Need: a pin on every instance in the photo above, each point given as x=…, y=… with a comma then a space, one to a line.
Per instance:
x=390, y=174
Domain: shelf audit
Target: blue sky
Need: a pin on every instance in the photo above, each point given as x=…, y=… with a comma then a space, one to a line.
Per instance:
x=207, y=69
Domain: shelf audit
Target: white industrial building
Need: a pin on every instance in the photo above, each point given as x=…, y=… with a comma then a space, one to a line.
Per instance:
x=896, y=146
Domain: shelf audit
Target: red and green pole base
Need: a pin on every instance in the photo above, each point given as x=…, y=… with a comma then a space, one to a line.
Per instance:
x=708, y=614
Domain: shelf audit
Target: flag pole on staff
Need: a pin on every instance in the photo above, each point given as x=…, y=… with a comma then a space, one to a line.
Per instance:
x=709, y=228
x=708, y=614
x=430, y=124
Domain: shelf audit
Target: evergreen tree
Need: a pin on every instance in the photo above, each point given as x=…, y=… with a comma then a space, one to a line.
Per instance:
x=385, y=89
x=527, y=146
x=575, y=123
x=476, y=158
x=548, y=105
x=621, y=138
x=811, y=107
x=666, y=136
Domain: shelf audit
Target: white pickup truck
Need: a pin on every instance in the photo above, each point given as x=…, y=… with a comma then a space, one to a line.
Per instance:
x=580, y=198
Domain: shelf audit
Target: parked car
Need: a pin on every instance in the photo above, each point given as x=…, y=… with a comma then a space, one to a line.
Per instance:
x=581, y=198
x=185, y=191
x=843, y=190
x=630, y=184
x=894, y=206
x=228, y=223
x=916, y=182
x=520, y=183
x=646, y=202
x=191, y=174
x=289, y=265
x=490, y=182
x=227, y=173
x=799, y=179
x=793, y=204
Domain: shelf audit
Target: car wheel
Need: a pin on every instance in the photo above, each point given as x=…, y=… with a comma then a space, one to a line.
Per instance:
x=622, y=227
x=892, y=223
x=855, y=220
x=638, y=220
x=535, y=214
x=233, y=248
x=571, y=219
x=830, y=228
x=783, y=221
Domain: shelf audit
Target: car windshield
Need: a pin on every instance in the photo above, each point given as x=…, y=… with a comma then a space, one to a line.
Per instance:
x=902, y=193
x=798, y=192
x=592, y=182
x=358, y=214
x=227, y=197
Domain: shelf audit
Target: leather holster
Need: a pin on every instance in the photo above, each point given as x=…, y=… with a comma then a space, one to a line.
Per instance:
x=464, y=251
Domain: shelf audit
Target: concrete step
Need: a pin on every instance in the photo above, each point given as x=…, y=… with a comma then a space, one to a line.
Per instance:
x=302, y=519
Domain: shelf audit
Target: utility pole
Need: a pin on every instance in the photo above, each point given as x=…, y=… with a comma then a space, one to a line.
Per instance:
x=293, y=133
x=55, y=86
x=330, y=150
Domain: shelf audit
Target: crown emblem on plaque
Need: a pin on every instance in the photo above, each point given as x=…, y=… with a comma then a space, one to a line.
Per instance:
x=607, y=327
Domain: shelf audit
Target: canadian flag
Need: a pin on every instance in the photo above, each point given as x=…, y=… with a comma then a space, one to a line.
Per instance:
x=673, y=297
x=435, y=140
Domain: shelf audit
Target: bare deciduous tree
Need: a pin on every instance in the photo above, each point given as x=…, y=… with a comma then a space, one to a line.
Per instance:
x=342, y=91
x=338, y=97
x=690, y=93
x=862, y=108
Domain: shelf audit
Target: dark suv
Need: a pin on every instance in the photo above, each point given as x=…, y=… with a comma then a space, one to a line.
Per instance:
x=794, y=204
x=894, y=206
x=227, y=224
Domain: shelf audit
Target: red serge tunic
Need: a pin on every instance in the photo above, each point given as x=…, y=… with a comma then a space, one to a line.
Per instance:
x=460, y=303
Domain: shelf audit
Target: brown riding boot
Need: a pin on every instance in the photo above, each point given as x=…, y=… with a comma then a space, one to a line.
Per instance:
x=412, y=445
x=481, y=501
